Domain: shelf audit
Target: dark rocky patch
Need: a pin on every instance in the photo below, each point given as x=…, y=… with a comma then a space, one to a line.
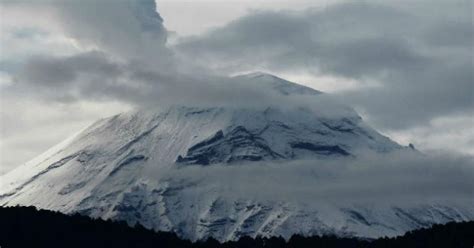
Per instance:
x=228, y=148
x=128, y=160
x=321, y=149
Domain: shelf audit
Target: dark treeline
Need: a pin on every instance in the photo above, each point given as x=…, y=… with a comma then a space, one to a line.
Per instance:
x=28, y=227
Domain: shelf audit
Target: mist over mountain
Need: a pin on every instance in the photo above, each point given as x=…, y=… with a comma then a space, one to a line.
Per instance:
x=230, y=171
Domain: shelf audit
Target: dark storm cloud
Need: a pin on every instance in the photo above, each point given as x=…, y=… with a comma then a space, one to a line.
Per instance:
x=421, y=56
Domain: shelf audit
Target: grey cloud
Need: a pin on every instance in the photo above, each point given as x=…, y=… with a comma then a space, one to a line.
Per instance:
x=131, y=29
x=421, y=77
x=65, y=78
x=93, y=76
x=422, y=59
x=59, y=71
x=137, y=67
x=307, y=38
x=396, y=178
x=453, y=33
x=369, y=57
x=47, y=71
x=123, y=39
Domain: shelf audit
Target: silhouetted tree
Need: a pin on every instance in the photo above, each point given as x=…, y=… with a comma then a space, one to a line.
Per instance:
x=29, y=227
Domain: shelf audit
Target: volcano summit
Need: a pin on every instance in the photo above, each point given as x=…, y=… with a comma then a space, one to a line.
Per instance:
x=231, y=171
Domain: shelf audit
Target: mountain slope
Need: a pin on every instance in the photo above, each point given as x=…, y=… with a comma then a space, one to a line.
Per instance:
x=225, y=172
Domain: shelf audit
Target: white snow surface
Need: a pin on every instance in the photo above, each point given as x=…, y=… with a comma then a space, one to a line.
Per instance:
x=227, y=172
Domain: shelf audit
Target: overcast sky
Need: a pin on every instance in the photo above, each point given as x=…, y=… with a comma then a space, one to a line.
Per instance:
x=405, y=66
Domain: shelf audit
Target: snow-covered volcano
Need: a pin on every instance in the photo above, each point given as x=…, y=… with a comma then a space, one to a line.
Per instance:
x=223, y=171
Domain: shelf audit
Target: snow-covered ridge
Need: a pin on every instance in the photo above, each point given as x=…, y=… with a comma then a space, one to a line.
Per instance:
x=279, y=84
x=227, y=171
